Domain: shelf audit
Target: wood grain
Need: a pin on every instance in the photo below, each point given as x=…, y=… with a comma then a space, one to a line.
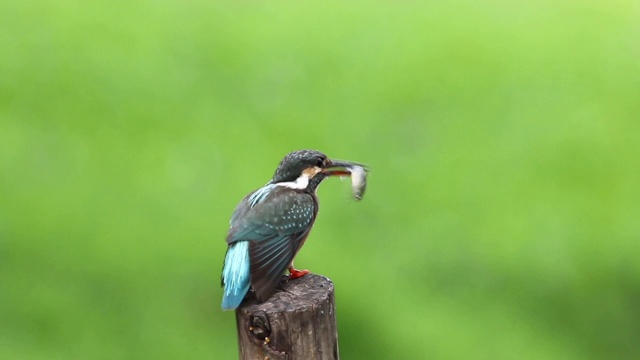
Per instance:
x=297, y=322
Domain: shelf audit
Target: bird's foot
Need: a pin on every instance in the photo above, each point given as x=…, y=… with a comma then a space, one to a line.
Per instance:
x=295, y=273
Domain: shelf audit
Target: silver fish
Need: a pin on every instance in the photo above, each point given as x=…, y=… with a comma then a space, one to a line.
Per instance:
x=358, y=181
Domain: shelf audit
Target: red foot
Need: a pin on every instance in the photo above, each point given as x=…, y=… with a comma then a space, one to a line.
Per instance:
x=295, y=273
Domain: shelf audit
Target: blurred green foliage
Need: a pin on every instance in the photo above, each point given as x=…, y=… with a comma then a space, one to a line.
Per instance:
x=501, y=219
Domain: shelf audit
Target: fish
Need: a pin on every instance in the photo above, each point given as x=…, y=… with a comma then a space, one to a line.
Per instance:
x=358, y=181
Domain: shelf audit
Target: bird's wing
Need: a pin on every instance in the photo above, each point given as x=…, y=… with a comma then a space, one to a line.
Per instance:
x=252, y=199
x=275, y=229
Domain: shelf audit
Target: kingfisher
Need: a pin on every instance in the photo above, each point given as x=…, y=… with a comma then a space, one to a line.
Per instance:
x=270, y=225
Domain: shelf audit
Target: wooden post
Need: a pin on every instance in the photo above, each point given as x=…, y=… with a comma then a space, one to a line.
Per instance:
x=297, y=323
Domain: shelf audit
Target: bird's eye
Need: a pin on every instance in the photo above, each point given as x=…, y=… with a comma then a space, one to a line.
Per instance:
x=320, y=162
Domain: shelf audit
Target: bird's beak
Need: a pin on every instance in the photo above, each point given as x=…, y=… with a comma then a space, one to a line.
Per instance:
x=341, y=167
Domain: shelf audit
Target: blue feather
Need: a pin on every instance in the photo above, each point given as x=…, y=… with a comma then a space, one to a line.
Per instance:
x=260, y=194
x=236, y=275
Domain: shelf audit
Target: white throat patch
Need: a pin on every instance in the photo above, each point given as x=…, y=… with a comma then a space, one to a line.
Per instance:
x=300, y=183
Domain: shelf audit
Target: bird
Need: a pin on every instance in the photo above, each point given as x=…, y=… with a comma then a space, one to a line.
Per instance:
x=270, y=225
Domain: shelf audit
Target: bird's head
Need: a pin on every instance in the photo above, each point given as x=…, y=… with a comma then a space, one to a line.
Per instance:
x=309, y=167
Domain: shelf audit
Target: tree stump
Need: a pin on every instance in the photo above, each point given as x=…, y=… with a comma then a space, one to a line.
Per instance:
x=297, y=323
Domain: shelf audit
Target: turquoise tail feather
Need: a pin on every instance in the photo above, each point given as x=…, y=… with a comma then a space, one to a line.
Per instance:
x=236, y=275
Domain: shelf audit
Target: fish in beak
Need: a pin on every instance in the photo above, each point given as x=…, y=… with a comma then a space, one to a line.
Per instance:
x=357, y=172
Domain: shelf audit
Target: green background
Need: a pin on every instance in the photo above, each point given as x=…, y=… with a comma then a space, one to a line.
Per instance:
x=501, y=219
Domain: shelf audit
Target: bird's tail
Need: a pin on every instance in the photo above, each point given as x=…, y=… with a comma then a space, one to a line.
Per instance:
x=235, y=275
